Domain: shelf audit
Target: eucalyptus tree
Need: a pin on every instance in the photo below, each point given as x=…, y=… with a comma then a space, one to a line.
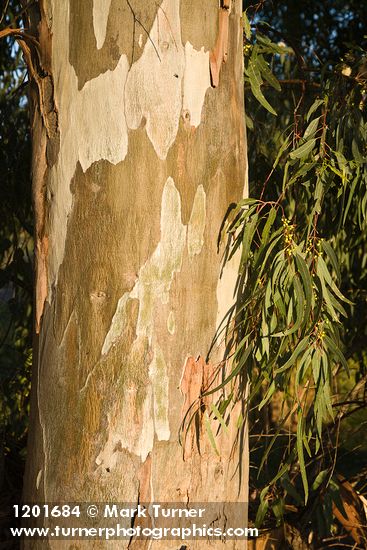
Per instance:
x=139, y=147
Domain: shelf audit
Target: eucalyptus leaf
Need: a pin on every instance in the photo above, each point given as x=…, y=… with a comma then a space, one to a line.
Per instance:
x=256, y=82
x=303, y=150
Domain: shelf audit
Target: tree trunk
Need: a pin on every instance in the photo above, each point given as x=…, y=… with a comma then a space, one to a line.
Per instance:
x=136, y=160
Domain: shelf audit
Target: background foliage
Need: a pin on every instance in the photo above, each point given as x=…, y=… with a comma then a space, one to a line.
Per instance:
x=16, y=250
x=301, y=305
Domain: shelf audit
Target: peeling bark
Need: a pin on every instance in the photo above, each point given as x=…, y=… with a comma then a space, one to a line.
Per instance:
x=219, y=54
x=135, y=161
x=196, y=378
x=45, y=140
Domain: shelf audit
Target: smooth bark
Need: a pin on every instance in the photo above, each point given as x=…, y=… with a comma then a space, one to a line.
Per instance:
x=134, y=176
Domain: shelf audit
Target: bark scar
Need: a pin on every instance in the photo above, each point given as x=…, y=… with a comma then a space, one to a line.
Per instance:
x=196, y=378
x=219, y=54
x=144, y=498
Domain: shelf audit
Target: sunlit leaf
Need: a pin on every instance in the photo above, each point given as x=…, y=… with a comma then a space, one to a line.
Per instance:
x=303, y=150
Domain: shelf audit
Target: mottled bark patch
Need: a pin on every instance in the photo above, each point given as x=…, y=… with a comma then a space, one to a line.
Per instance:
x=153, y=87
x=171, y=323
x=101, y=10
x=134, y=218
x=196, y=81
x=104, y=47
x=196, y=227
x=202, y=35
x=92, y=127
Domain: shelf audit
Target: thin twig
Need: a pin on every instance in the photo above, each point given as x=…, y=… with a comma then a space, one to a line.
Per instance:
x=136, y=20
x=4, y=11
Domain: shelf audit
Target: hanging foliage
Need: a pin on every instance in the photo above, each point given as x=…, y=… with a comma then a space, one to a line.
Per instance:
x=297, y=238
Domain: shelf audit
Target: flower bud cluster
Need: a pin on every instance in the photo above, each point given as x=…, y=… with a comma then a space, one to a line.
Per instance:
x=288, y=232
